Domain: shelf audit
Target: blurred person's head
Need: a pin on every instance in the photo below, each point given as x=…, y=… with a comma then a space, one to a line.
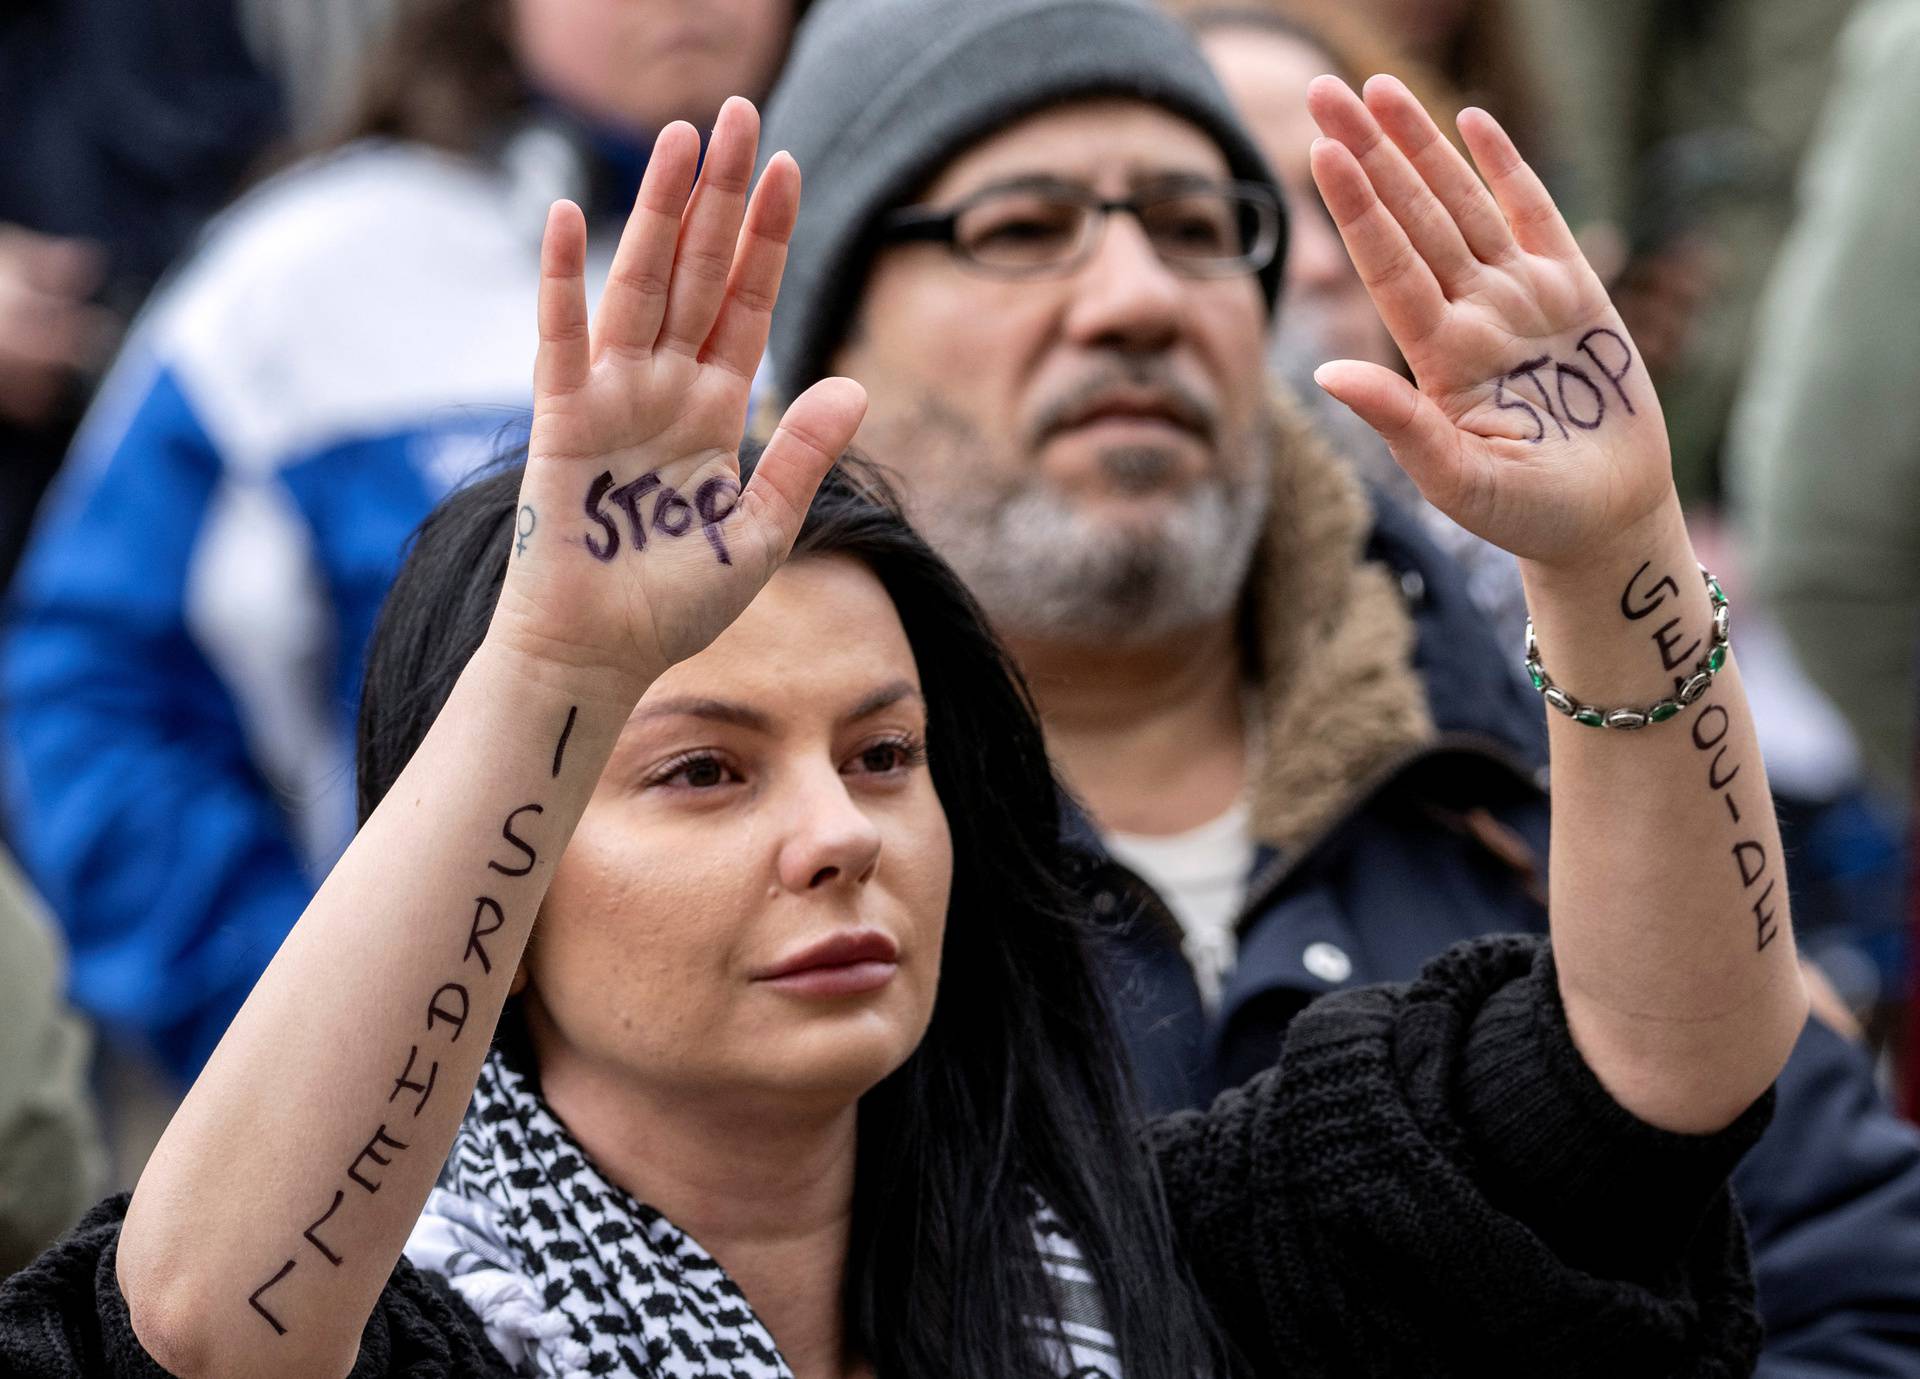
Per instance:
x=639, y=64
x=1265, y=58
x=1474, y=46
x=451, y=71
x=1075, y=395
x=1427, y=29
x=854, y=754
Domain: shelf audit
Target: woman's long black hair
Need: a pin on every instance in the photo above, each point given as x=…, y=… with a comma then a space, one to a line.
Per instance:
x=1018, y=1089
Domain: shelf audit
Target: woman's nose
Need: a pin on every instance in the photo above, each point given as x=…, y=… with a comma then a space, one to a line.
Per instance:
x=832, y=840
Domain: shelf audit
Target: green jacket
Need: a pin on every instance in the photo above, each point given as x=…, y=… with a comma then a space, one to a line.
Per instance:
x=52, y=1163
x=1826, y=441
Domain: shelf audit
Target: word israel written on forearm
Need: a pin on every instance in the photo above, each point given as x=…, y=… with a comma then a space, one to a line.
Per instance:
x=1586, y=406
x=1711, y=725
x=672, y=515
x=446, y=1019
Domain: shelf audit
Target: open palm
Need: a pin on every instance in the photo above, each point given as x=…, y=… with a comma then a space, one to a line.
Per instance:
x=635, y=544
x=1533, y=423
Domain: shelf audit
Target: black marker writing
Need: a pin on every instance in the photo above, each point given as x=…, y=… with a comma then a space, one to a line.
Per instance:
x=1624, y=359
x=1765, y=925
x=1721, y=721
x=253, y=1299
x=1709, y=730
x=483, y=905
x=628, y=496
x=449, y=1005
x=1716, y=781
x=403, y=1083
x=506, y=831
x=381, y=1139
x=456, y=1018
x=1499, y=400
x=1562, y=372
x=560, y=747
x=715, y=491
x=672, y=516
x=1667, y=638
x=316, y=1241
x=1648, y=601
x=610, y=547
x=1531, y=370
x=1586, y=406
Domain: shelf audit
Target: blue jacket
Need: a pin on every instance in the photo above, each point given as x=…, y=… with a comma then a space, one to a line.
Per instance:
x=1446, y=839
x=183, y=646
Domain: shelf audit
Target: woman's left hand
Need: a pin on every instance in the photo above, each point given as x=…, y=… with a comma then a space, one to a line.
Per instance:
x=1534, y=423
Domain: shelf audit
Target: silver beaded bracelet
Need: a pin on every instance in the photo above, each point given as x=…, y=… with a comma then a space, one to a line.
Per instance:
x=1626, y=720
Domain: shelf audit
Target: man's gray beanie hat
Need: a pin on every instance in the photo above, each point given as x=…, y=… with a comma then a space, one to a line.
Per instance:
x=879, y=95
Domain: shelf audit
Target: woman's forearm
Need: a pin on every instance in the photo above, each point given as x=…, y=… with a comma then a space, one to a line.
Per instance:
x=275, y=1207
x=1668, y=895
x=1532, y=421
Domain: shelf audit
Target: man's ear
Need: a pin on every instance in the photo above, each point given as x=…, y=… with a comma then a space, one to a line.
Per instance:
x=519, y=982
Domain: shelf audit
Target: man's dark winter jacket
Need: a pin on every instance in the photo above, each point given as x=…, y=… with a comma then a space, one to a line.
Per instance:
x=1400, y=811
x=1431, y=1184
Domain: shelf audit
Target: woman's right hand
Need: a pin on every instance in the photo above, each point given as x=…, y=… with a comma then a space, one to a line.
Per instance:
x=634, y=545
x=268, y=1220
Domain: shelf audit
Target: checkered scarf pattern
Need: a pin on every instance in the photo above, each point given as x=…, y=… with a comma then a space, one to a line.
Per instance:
x=573, y=1278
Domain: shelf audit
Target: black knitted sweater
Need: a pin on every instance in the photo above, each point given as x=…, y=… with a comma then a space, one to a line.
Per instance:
x=1430, y=1182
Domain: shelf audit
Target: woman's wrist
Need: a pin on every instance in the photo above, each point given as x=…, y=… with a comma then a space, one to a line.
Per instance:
x=1598, y=564
x=545, y=670
x=1624, y=625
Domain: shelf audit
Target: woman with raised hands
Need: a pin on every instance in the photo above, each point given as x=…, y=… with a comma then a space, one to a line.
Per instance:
x=699, y=996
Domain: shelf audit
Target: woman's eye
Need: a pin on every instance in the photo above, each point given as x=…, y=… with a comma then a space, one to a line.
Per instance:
x=886, y=758
x=697, y=773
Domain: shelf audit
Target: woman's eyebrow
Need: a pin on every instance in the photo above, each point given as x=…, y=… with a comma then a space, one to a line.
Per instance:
x=883, y=698
x=740, y=716
x=719, y=710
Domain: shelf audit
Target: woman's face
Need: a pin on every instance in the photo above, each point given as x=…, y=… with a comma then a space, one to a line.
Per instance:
x=753, y=904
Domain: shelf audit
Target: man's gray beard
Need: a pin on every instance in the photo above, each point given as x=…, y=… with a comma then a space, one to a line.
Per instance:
x=1044, y=571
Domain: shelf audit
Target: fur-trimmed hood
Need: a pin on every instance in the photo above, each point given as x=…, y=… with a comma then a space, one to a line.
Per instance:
x=1330, y=638
x=1332, y=643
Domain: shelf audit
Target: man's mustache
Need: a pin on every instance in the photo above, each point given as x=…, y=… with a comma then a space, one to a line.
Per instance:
x=1133, y=389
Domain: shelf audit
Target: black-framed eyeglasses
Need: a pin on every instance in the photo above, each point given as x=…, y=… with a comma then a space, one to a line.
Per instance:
x=1043, y=228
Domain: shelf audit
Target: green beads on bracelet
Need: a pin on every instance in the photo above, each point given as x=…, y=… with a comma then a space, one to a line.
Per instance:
x=1630, y=719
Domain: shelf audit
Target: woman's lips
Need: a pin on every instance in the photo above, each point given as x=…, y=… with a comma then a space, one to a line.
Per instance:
x=846, y=964
x=851, y=979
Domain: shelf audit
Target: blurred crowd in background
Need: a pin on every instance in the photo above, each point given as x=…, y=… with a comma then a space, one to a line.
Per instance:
x=234, y=375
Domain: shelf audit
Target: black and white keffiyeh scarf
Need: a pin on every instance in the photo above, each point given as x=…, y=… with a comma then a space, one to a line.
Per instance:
x=573, y=1278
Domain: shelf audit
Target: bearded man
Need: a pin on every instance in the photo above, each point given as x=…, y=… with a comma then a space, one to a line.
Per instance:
x=1037, y=234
